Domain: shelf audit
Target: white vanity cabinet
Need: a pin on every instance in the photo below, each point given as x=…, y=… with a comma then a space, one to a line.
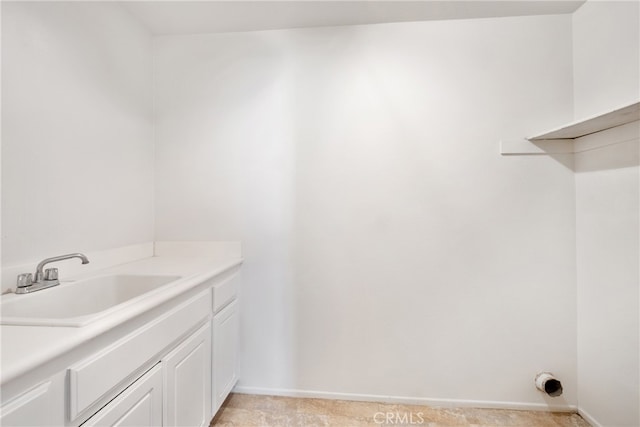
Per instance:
x=171, y=367
x=139, y=405
x=226, y=331
x=225, y=352
x=95, y=380
x=42, y=405
x=187, y=381
x=176, y=392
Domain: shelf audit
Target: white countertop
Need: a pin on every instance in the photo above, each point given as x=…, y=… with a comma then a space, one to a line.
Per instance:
x=26, y=347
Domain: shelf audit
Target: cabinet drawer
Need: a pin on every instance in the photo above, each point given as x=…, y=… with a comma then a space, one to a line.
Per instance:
x=225, y=292
x=100, y=374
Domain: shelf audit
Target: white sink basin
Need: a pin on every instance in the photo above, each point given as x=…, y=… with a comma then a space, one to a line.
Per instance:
x=80, y=302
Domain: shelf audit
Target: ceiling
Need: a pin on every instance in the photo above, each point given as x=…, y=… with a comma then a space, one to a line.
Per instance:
x=193, y=17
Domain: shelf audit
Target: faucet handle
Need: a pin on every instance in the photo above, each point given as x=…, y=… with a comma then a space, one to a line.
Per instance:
x=51, y=274
x=24, y=280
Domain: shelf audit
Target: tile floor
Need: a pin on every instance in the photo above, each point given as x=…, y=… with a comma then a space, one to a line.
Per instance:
x=243, y=410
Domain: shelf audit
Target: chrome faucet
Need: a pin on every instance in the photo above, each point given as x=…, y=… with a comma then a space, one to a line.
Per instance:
x=28, y=283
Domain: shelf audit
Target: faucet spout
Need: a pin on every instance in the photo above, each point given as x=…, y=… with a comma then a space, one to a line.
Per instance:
x=40, y=268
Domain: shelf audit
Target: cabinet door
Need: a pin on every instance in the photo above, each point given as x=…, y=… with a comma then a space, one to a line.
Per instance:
x=225, y=352
x=138, y=405
x=187, y=381
x=43, y=405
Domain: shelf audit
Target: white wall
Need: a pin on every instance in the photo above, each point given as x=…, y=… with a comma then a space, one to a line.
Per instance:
x=390, y=250
x=606, y=40
x=606, y=55
x=77, y=141
x=0, y=149
x=608, y=261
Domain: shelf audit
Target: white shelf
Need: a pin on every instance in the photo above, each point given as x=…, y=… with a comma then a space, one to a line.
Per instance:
x=608, y=120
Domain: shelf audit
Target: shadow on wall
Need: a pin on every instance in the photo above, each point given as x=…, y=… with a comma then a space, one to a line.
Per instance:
x=625, y=154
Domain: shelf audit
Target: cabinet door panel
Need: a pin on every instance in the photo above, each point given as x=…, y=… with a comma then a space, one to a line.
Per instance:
x=33, y=408
x=225, y=352
x=140, y=405
x=187, y=379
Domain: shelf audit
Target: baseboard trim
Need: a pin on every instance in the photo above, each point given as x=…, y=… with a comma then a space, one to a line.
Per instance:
x=447, y=403
x=588, y=418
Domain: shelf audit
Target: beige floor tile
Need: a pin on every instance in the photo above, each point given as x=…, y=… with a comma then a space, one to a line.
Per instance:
x=495, y=417
x=434, y=416
x=342, y=408
x=267, y=403
x=341, y=420
x=241, y=410
x=237, y=417
x=569, y=420
x=509, y=418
